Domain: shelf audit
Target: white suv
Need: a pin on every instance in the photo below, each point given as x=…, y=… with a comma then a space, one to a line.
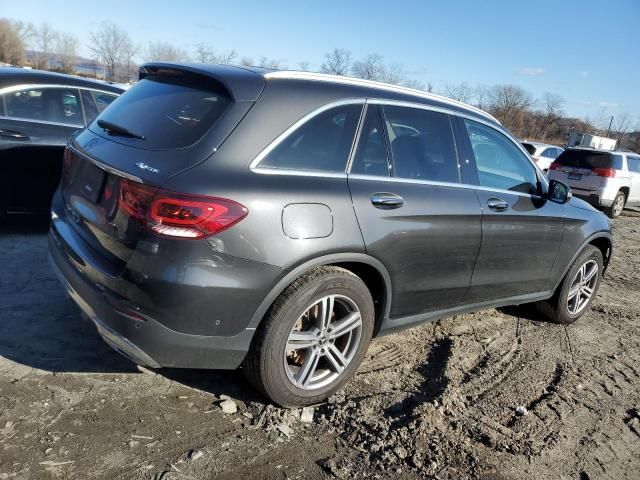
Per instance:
x=603, y=178
x=542, y=153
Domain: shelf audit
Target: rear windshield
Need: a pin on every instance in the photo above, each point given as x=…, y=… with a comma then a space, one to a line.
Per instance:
x=168, y=112
x=529, y=148
x=587, y=159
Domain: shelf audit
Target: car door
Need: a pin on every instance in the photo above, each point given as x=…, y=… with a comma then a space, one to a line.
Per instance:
x=415, y=215
x=521, y=231
x=634, y=168
x=34, y=130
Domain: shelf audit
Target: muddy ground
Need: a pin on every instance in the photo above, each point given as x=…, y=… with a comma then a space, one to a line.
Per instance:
x=438, y=401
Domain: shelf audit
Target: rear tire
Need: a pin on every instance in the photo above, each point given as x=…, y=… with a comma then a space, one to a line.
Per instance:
x=299, y=355
x=617, y=206
x=571, y=299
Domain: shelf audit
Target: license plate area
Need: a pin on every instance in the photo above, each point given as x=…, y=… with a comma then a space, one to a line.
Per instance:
x=92, y=182
x=575, y=176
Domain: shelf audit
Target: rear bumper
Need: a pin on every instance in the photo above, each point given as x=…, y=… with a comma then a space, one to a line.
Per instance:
x=164, y=327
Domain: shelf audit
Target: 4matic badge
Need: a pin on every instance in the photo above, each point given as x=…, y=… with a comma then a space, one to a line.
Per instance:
x=149, y=168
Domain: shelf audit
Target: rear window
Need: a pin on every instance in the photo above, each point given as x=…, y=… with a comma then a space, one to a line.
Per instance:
x=591, y=160
x=168, y=112
x=529, y=148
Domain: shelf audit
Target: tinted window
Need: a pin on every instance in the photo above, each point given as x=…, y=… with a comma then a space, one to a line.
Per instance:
x=590, y=159
x=371, y=156
x=549, y=153
x=90, y=108
x=422, y=144
x=634, y=164
x=530, y=148
x=321, y=144
x=58, y=105
x=103, y=100
x=501, y=164
x=168, y=112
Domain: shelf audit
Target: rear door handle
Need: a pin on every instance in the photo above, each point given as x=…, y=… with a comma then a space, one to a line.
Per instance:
x=497, y=204
x=13, y=134
x=387, y=201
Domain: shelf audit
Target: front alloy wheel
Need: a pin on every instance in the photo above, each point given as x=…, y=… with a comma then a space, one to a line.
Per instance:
x=582, y=287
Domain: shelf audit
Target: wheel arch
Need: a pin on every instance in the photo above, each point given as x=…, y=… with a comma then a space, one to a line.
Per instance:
x=370, y=270
x=601, y=240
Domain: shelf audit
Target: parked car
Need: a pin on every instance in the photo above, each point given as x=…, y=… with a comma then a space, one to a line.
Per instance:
x=605, y=179
x=542, y=153
x=39, y=111
x=217, y=216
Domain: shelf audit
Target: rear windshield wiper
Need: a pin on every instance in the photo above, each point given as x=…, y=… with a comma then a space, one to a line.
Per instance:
x=118, y=130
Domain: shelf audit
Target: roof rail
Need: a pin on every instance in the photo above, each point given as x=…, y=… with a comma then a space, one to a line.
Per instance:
x=324, y=77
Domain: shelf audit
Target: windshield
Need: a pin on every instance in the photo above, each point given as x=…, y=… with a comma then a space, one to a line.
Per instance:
x=168, y=113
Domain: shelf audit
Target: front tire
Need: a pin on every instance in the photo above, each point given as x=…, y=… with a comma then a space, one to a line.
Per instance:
x=616, y=208
x=577, y=290
x=313, y=338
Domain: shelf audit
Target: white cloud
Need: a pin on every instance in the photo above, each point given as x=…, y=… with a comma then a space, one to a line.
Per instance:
x=530, y=71
x=608, y=104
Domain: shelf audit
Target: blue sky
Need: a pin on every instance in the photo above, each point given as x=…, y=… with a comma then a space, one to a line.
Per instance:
x=586, y=51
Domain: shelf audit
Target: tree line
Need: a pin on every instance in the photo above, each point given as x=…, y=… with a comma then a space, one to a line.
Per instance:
x=542, y=119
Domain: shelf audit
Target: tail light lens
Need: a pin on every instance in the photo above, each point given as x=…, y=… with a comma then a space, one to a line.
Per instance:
x=179, y=215
x=554, y=166
x=604, y=172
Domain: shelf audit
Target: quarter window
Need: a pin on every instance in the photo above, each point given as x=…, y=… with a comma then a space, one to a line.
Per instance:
x=422, y=144
x=500, y=163
x=56, y=105
x=634, y=164
x=371, y=155
x=321, y=144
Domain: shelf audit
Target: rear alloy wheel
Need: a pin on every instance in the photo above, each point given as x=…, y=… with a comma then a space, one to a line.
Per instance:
x=577, y=290
x=313, y=339
x=616, y=208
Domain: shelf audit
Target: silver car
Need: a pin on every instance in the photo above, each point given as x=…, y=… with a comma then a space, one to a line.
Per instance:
x=542, y=153
x=606, y=179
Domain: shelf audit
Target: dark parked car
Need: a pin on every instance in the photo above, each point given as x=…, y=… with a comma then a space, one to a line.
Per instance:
x=39, y=112
x=217, y=216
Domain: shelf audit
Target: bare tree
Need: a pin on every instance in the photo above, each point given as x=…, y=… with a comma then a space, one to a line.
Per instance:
x=129, y=51
x=393, y=73
x=370, y=68
x=415, y=84
x=66, y=49
x=12, y=44
x=165, y=52
x=270, y=63
x=45, y=38
x=481, y=94
x=247, y=62
x=203, y=53
x=508, y=103
x=337, y=62
x=621, y=126
x=109, y=44
x=304, y=66
x=461, y=92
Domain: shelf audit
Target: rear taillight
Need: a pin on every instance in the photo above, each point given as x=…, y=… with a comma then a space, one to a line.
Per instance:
x=604, y=172
x=179, y=215
x=555, y=166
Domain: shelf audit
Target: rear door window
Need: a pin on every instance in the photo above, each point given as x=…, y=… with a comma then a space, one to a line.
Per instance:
x=634, y=164
x=589, y=159
x=371, y=155
x=422, y=144
x=51, y=105
x=501, y=164
x=168, y=112
x=321, y=144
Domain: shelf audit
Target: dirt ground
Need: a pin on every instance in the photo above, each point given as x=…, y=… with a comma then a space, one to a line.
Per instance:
x=438, y=401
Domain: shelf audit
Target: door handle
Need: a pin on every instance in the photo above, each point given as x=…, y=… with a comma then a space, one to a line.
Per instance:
x=13, y=134
x=387, y=201
x=497, y=204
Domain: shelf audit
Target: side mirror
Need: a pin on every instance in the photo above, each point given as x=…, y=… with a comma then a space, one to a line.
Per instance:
x=559, y=192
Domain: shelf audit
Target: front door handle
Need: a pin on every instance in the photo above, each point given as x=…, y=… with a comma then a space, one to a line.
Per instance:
x=497, y=204
x=13, y=134
x=387, y=201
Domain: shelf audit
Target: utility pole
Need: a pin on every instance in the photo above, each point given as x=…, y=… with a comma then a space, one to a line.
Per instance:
x=610, y=123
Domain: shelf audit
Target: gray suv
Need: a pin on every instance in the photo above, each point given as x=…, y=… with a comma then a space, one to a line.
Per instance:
x=217, y=217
